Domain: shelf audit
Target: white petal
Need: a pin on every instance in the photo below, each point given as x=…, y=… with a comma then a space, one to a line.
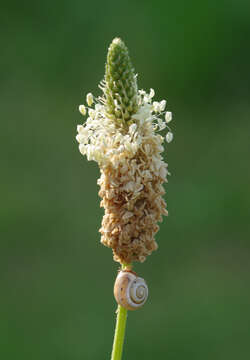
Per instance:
x=163, y=105
x=80, y=128
x=168, y=117
x=169, y=137
x=82, y=149
x=92, y=113
x=89, y=99
x=152, y=93
x=82, y=109
x=156, y=106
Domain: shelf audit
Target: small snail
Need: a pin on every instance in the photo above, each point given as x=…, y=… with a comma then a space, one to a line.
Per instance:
x=130, y=291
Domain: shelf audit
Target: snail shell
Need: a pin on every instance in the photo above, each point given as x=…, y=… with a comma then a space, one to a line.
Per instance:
x=130, y=291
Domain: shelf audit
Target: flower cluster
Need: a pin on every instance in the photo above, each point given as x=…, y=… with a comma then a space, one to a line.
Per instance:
x=103, y=141
x=121, y=135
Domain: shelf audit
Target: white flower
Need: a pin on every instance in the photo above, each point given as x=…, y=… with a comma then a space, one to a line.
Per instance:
x=82, y=109
x=89, y=99
x=156, y=106
x=80, y=128
x=168, y=117
x=152, y=93
x=142, y=92
x=102, y=141
x=169, y=136
x=82, y=149
x=92, y=113
x=163, y=105
x=98, y=107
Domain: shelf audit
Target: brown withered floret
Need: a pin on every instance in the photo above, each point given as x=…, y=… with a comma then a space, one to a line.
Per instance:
x=132, y=198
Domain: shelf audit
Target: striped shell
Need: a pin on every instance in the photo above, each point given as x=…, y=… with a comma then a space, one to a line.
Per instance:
x=130, y=291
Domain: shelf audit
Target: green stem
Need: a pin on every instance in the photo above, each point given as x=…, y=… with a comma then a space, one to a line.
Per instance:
x=119, y=333
x=119, y=330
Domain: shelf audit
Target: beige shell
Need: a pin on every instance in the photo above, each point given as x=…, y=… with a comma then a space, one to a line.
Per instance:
x=130, y=291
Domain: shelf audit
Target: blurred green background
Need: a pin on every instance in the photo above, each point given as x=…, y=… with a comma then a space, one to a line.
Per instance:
x=56, y=278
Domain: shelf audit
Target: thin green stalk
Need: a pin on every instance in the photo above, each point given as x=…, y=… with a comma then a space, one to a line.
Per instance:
x=119, y=333
x=119, y=330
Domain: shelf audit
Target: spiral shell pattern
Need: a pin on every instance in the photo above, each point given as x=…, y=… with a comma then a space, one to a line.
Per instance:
x=130, y=291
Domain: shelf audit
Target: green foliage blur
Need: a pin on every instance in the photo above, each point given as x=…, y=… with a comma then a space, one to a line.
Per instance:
x=56, y=298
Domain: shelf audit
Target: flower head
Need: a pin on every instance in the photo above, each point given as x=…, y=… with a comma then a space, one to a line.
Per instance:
x=121, y=135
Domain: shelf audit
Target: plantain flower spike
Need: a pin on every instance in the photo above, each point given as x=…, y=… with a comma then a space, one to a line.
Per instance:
x=121, y=135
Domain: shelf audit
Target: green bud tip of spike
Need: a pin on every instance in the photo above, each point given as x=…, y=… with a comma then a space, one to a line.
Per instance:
x=120, y=90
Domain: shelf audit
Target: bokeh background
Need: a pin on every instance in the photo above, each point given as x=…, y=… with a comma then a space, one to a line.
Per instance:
x=56, y=282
